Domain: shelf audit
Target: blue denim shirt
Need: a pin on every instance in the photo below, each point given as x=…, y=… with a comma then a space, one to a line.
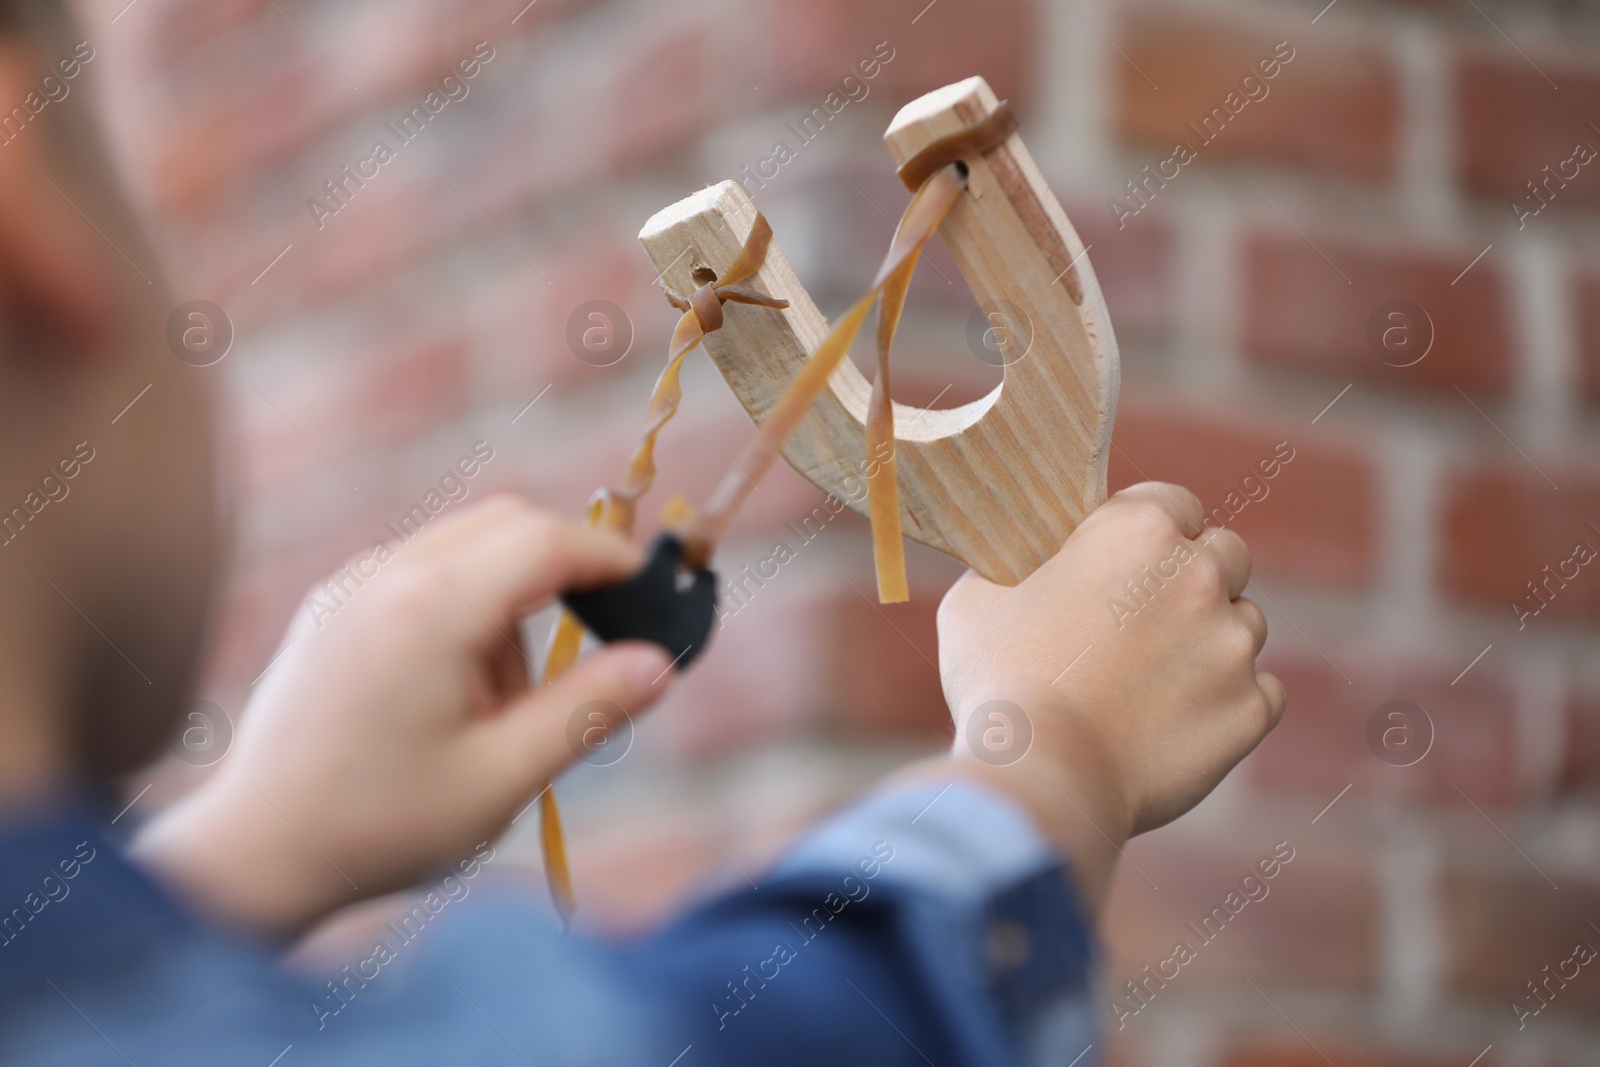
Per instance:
x=920, y=927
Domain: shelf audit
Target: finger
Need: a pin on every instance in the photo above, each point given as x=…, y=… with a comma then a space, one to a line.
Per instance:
x=1183, y=505
x=423, y=538
x=513, y=565
x=1234, y=556
x=1277, y=696
x=1253, y=620
x=576, y=716
x=509, y=665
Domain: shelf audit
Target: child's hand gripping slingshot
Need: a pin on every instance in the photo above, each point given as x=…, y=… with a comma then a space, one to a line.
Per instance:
x=998, y=483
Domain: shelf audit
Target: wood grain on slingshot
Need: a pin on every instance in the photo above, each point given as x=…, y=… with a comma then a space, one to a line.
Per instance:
x=997, y=483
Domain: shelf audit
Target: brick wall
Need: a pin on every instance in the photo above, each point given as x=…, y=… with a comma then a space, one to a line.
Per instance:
x=1387, y=158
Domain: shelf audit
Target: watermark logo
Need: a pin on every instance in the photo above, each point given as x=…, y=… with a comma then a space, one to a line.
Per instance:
x=1399, y=733
x=599, y=733
x=999, y=333
x=1400, y=333
x=999, y=733
x=206, y=737
x=199, y=333
x=600, y=333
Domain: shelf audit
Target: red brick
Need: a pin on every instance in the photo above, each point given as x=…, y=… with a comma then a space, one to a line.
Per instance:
x=853, y=211
x=258, y=602
x=240, y=645
x=1512, y=123
x=1134, y=266
x=881, y=664
x=1318, y=922
x=1318, y=522
x=414, y=388
x=838, y=668
x=247, y=128
x=521, y=332
x=660, y=103
x=1580, y=770
x=853, y=228
x=1504, y=524
x=1332, y=108
x=1299, y=313
x=268, y=582
x=262, y=95
x=1587, y=296
x=401, y=52
x=1321, y=745
x=812, y=44
x=692, y=457
x=1505, y=928
x=374, y=240
x=393, y=396
x=1294, y=1050
x=750, y=689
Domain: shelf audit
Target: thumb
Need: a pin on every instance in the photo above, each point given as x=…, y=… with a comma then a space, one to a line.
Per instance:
x=586, y=714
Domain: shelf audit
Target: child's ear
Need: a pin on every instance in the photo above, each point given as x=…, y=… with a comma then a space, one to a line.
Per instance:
x=54, y=286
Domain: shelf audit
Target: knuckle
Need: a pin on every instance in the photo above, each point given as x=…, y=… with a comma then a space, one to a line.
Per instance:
x=410, y=587
x=1207, y=578
x=1147, y=521
x=506, y=498
x=507, y=504
x=1239, y=548
x=1182, y=496
x=1240, y=648
x=548, y=524
x=1220, y=535
x=1259, y=711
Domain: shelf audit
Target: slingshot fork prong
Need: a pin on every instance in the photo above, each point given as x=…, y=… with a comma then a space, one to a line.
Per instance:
x=1000, y=482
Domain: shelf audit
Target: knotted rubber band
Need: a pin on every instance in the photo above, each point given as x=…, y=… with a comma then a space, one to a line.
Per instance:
x=982, y=136
x=707, y=309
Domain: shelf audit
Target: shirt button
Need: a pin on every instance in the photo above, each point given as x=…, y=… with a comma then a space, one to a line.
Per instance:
x=1008, y=946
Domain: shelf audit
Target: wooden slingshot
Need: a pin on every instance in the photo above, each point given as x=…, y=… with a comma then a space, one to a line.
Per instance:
x=998, y=483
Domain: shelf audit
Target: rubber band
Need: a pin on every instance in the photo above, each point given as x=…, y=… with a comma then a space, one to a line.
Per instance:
x=937, y=177
x=928, y=207
x=617, y=509
x=964, y=143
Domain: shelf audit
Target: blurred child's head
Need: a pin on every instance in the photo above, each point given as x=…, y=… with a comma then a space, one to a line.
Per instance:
x=109, y=511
